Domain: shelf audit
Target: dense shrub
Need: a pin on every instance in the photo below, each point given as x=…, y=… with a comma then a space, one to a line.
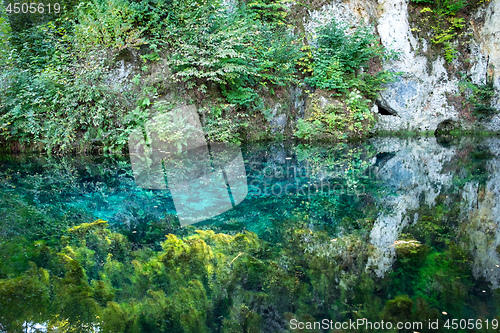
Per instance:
x=340, y=56
x=445, y=23
x=58, y=95
x=337, y=120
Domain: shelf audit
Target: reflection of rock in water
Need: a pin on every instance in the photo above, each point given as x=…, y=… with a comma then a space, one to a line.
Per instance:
x=481, y=212
x=382, y=158
x=415, y=174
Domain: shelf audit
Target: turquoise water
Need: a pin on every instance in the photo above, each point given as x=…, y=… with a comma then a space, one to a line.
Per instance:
x=408, y=229
x=280, y=178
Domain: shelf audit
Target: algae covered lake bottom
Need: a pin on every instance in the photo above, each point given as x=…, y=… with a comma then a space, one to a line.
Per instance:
x=274, y=237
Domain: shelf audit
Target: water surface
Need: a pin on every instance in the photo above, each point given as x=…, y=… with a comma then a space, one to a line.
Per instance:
x=393, y=229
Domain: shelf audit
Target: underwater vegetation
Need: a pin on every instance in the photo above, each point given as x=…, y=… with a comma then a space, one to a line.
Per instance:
x=216, y=282
x=64, y=269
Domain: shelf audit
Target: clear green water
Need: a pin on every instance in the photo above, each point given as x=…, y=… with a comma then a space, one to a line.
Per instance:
x=400, y=230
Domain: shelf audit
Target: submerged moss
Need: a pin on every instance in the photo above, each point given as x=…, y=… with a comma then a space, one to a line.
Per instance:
x=312, y=260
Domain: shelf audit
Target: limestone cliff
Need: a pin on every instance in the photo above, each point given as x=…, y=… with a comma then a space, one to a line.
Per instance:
x=426, y=94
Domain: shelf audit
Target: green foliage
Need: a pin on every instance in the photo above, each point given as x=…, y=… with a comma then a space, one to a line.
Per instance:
x=337, y=120
x=315, y=264
x=398, y=309
x=231, y=50
x=58, y=92
x=107, y=25
x=75, y=302
x=54, y=103
x=479, y=96
x=449, y=52
x=438, y=272
x=446, y=7
x=308, y=130
x=273, y=11
x=444, y=23
x=224, y=130
x=340, y=56
x=312, y=261
x=338, y=63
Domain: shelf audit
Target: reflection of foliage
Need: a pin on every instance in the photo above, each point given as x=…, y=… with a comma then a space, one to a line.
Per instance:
x=345, y=161
x=269, y=10
x=308, y=265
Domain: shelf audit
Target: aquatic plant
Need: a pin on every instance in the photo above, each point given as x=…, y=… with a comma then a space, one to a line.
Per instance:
x=309, y=263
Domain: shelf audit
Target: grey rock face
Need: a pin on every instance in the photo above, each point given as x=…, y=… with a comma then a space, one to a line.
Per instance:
x=419, y=99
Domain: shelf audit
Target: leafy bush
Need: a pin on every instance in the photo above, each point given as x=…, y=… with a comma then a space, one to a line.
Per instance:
x=58, y=97
x=479, y=96
x=107, y=24
x=224, y=129
x=4, y=31
x=445, y=25
x=338, y=64
x=337, y=120
x=340, y=56
x=57, y=94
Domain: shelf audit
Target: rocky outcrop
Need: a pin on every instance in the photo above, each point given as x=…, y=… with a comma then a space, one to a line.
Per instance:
x=418, y=97
x=422, y=97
